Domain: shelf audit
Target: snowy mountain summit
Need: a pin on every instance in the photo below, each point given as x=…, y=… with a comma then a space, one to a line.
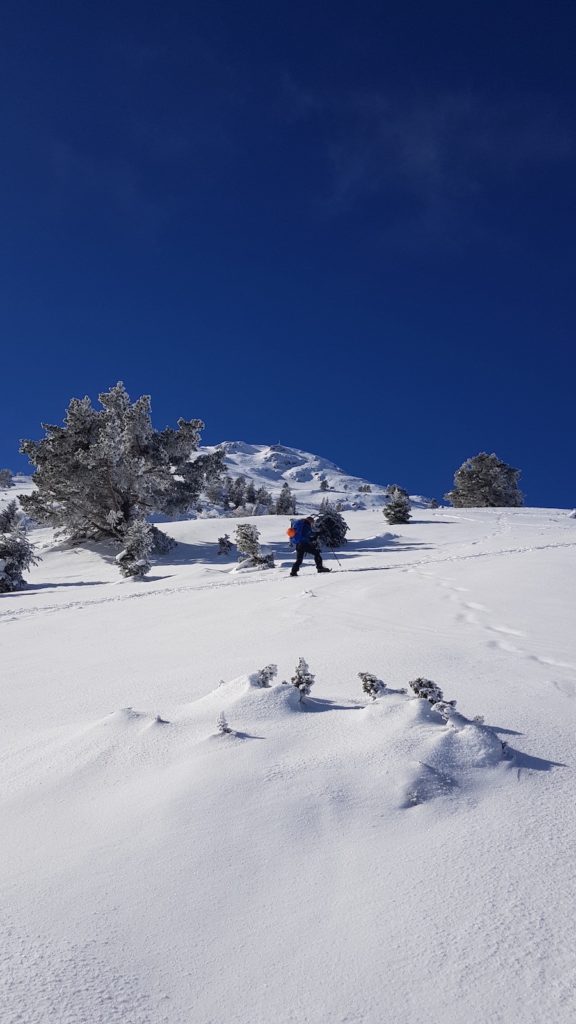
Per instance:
x=310, y=477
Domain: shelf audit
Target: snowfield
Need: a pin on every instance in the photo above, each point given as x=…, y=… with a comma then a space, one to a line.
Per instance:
x=331, y=861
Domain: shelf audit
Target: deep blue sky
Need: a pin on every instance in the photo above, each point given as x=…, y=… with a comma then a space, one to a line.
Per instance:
x=348, y=227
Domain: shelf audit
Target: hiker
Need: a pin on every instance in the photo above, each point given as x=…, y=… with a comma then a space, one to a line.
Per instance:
x=303, y=537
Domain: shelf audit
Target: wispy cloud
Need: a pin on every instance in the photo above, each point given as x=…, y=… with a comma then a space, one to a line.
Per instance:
x=438, y=153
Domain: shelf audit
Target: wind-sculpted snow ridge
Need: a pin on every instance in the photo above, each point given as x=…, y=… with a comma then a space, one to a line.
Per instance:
x=417, y=753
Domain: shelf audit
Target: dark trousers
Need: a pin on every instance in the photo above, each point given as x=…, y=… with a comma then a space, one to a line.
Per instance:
x=307, y=549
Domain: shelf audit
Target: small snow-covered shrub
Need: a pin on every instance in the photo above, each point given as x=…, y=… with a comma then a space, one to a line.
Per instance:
x=161, y=542
x=371, y=685
x=303, y=678
x=263, y=678
x=16, y=551
x=445, y=708
x=6, y=478
x=222, y=724
x=138, y=543
x=430, y=691
x=224, y=545
x=426, y=689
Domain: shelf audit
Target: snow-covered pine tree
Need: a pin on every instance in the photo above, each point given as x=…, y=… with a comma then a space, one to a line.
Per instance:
x=371, y=685
x=324, y=485
x=133, y=560
x=302, y=679
x=6, y=479
x=286, y=504
x=250, y=493
x=330, y=527
x=10, y=517
x=264, y=497
x=247, y=539
x=392, y=489
x=224, y=545
x=214, y=491
x=237, y=491
x=364, y=489
x=16, y=551
x=106, y=468
x=264, y=676
x=398, y=509
x=484, y=481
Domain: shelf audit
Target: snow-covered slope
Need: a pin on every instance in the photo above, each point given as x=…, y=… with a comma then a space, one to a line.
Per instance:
x=271, y=465
x=332, y=861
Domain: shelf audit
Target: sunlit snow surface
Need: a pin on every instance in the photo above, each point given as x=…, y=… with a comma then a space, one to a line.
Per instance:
x=337, y=860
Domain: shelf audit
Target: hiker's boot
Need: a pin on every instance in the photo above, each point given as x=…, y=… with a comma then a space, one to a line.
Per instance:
x=324, y=569
x=293, y=573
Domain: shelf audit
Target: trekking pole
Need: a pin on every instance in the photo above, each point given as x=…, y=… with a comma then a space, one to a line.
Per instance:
x=336, y=557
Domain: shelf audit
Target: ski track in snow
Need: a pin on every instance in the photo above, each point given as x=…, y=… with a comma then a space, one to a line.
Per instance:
x=268, y=576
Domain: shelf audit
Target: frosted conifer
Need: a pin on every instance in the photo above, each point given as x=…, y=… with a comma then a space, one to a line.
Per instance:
x=371, y=685
x=247, y=540
x=324, y=486
x=265, y=675
x=248, y=544
x=222, y=725
x=430, y=691
x=224, y=545
x=302, y=679
x=484, y=481
x=250, y=493
x=16, y=551
x=286, y=504
x=133, y=560
x=106, y=468
x=6, y=479
x=330, y=527
x=398, y=509
x=237, y=491
x=10, y=517
x=264, y=499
